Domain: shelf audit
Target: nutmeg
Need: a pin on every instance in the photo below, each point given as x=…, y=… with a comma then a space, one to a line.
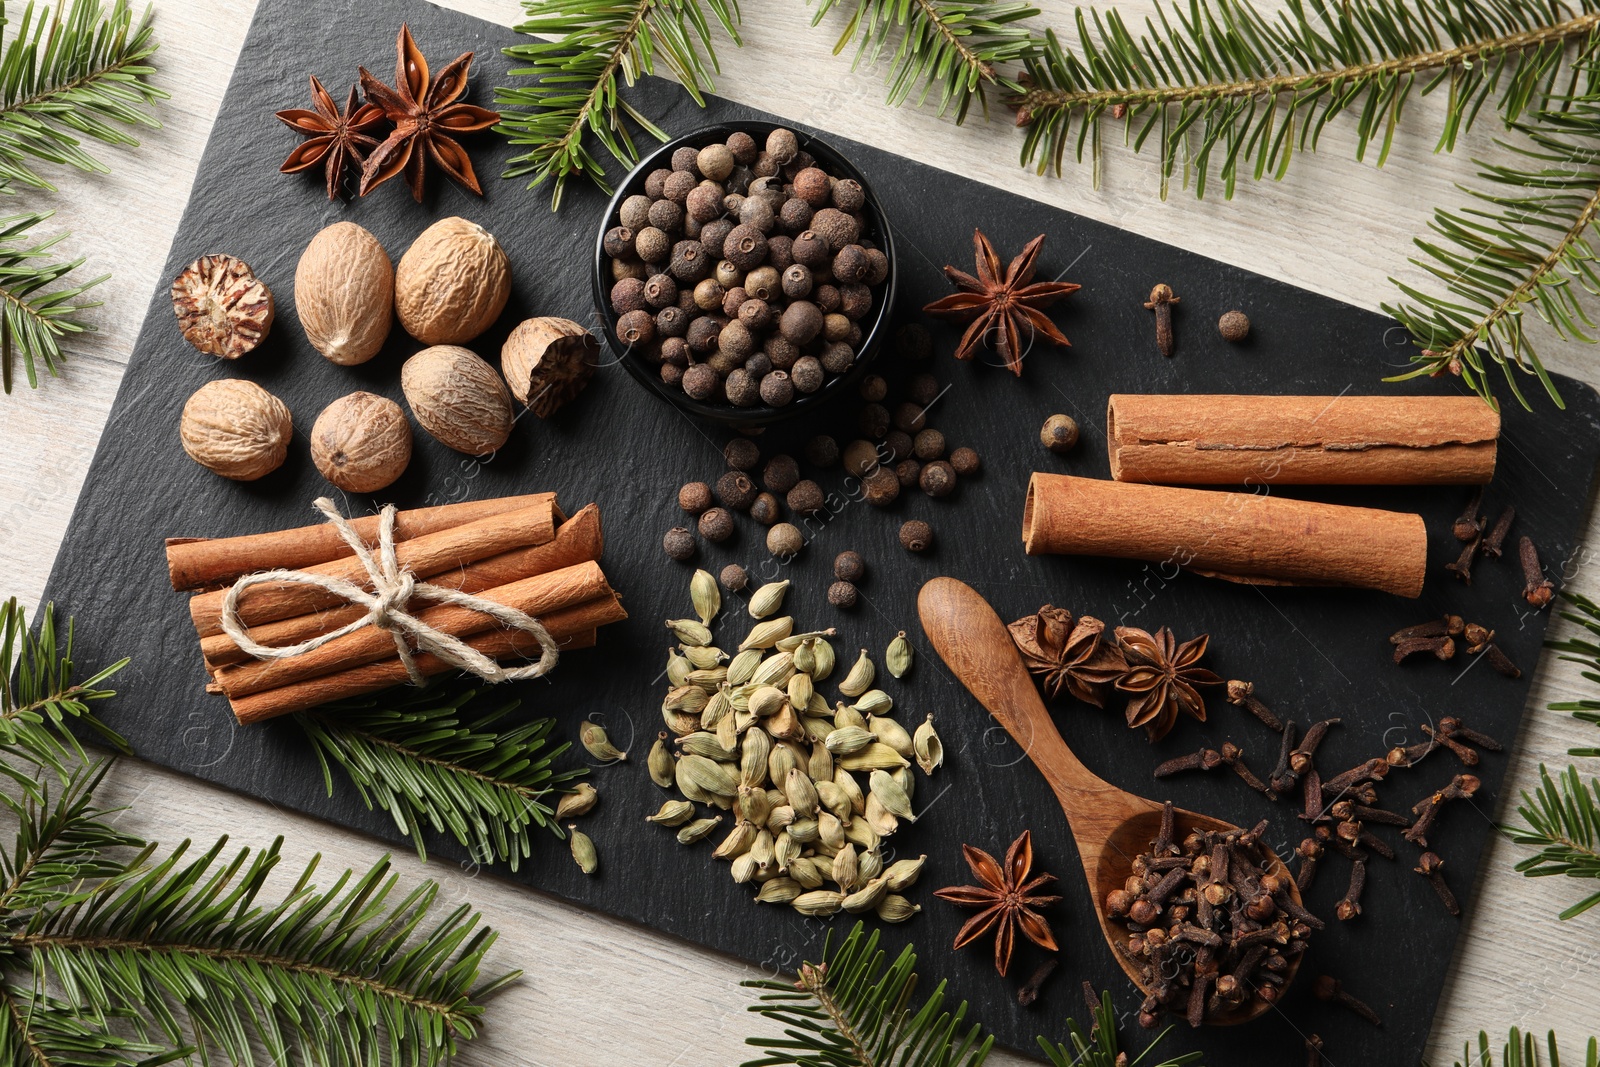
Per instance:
x=236, y=429
x=452, y=283
x=361, y=442
x=344, y=294
x=547, y=362
x=458, y=398
x=223, y=309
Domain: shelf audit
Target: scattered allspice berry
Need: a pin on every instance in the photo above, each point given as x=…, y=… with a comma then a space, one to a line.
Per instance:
x=1059, y=434
x=965, y=461
x=695, y=497
x=874, y=388
x=736, y=491
x=734, y=578
x=741, y=454
x=1234, y=326
x=679, y=544
x=842, y=594
x=822, y=451
x=860, y=458
x=785, y=539
x=716, y=525
x=781, y=474
x=909, y=472
x=806, y=498
x=928, y=445
x=848, y=566
x=916, y=536
x=923, y=389
x=766, y=510
x=881, y=488
x=938, y=479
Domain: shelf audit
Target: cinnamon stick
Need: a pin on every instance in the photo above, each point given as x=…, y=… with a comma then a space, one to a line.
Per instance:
x=577, y=623
x=1301, y=440
x=537, y=596
x=578, y=540
x=206, y=563
x=425, y=556
x=1239, y=536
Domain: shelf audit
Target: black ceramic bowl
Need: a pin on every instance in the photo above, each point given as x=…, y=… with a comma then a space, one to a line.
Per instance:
x=875, y=326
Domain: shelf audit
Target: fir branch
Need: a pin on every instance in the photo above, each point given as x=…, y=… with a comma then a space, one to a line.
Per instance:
x=576, y=91
x=949, y=46
x=33, y=316
x=1222, y=85
x=1101, y=1046
x=1587, y=653
x=412, y=755
x=40, y=700
x=1521, y=1051
x=1562, y=820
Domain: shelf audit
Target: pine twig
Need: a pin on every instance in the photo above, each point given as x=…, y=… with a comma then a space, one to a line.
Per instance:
x=33, y=316
x=40, y=699
x=1520, y=1050
x=1561, y=820
x=1586, y=613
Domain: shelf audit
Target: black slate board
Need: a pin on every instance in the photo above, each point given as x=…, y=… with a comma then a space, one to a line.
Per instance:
x=1311, y=653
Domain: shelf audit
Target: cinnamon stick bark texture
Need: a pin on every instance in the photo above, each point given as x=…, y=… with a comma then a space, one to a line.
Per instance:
x=205, y=563
x=1301, y=440
x=1239, y=536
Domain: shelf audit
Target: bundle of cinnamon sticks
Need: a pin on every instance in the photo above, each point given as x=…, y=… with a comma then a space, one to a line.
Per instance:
x=521, y=551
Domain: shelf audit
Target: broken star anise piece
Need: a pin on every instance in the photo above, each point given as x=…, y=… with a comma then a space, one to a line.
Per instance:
x=336, y=138
x=426, y=113
x=1002, y=306
x=1067, y=656
x=1161, y=678
x=1006, y=898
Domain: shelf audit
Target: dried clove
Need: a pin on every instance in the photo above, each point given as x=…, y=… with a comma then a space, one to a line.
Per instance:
x=1453, y=726
x=1350, y=906
x=1446, y=626
x=1462, y=566
x=1431, y=867
x=1348, y=809
x=1030, y=989
x=1314, y=1051
x=1427, y=810
x=1353, y=832
x=1496, y=536
x=1207, y=759
x=1284, y=778
x=1242, y=694
x=1373, y=770
x=1501, y=662
x=1300, y=758
x=1310, y=853
x=1233, y=757
x=1470, y=524
x=1538, y=589
x=1328, y=989
x=1463, y=753
x=1311, y=794
x=1441, y=648
x=1161, y=301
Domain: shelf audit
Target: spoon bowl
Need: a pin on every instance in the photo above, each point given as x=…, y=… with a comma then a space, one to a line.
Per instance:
x=1111, y=826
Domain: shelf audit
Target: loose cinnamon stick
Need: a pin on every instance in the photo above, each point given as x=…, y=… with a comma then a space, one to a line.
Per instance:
x=1239, y=536
x=578, y=623
x=538, y=596
x=205, y=563
x=425, y=556
x=1301, y=440
x=578, y=540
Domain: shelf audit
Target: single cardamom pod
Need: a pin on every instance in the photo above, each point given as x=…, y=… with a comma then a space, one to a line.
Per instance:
x=706, y=774
x=708, y=678
x=820, y=766
x=786, y=853
x=728, y=731
x=800, y=790
x=870, y=864
x=845, y=868
x=805, y=656
x=895, y=908
x=704, y=658
x=872, y=758
x=744, y=869
x=780, y=761
x=825, y=660
x=583, y=850
x=705, y=744
x=672, y=813
x=859, y=679
x=847, y=782
x=817, y=706
x=681, y=722
x=661, y=763
x=881, y=819
x=698, y=830
x=905, y=780
x=903, y=874
x=743, y=666
x=753, y=753
x=800, y=689
x=580, y=801
x=830, y=831
x=849, y=740
x=803, y=830
x=774, y=670
x=793, y=642
x=844, y=715
x=779, y=891
x=764, y=848
x=863, y=836
x=594, y=739
x=890, y=795
x=891, y=733
x=718, y=707
x=738, y=841
x=686, y=698
x=768, y=599
x=767, y=700
x=767, y=634
x=690, y=633
x=818, y=902
x=678, y=667
x=816, y=731
x=875, y=702
x=781, y=817
x=833, y=798
x=803, y=869
x=927, y=746
x=754, y=805
x=898, y=658
x=705, y=596
x=867, y=898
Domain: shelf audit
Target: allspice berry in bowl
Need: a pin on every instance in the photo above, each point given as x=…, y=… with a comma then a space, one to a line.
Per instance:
x=452, y=283
x=344, y=294
x=745, y=284
x=236, y=429
x=458, y=398
x=361, y=443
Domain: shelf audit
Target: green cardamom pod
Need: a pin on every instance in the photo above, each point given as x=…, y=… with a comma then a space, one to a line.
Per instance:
x=708, y=678
x=728, y=731
x=805, y=655
x=852, y=789
x=705, y=596
x=816, y=731
x=803, y=830
x=707, y=775
x=738, y=841
x=680, y=722
x=786, y=853
x=833, y=798
x=845, y=868
x=859, y=679
x=801, y=791
x=818, y=902
x=661, y=763
x=862, y=835
x=898, y=658
x=781, y=817
x=903, y=874
x=890, y=795
x=820, y=766
x=583, y=851
x=874, y=757
x=767, y=634
x=594, y=739
x=753, y=804
x=780, y=761
x=698, y=830
x=848, y=740
x=672, y=813
x=690, y=633
x=717, y=708
x=774, y=670
x=927, y=746
x=779, y=891
x=743, y=666
x=891, y=733
x=830, y=831
x=825, y=660
x=800, y=689
x=744, y=869
x=678, y=667
x=580, y=801
x=767, y=700
x=764, y=848
x=844, y=715
x=870, y=865
x=803, y=869
x=768, y=599
x=881, y=819
x=817, y=706
x=701, y=743
x=895, y=908
x=704, y=658
x=867, y=898
x=754, y=751
x=793, y=642
x=875, y=702
x=686, y=698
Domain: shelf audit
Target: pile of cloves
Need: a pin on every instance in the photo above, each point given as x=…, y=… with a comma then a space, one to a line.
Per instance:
x=1477, y=540
x=1210, y=932
x=1438, y=638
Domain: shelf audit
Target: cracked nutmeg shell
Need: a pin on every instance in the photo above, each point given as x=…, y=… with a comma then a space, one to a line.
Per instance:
x=547, y=362
x=223, y=309
x=236, y=429
x=361, y=442
x=452, y=283
x=458, y=398
x=344, y=294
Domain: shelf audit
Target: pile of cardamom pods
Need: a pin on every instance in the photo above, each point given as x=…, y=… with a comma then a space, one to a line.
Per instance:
x=812, y=790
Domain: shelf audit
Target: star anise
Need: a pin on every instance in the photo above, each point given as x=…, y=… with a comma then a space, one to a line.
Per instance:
x=337, y=138
x=1161, y=678
x=1067, y=656
x=426, y=113
x=1002, y=307
x=1007, y=898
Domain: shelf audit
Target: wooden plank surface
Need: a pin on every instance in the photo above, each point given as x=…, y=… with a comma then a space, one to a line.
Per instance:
x=600, y=992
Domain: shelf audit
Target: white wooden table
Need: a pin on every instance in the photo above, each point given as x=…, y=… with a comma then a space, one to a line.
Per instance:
x=599, y=991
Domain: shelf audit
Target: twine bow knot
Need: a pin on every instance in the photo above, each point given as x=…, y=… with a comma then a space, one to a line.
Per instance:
x=393, y=589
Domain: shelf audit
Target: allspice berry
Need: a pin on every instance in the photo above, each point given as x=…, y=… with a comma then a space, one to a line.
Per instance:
x=361, y=442
x=909, y=472
x=965, y=461
x=452, y=283
x=849, y=566
x=766, y=509
x=923, y=389
x=881, y=488
x=777, y=389
x=842, y=595
x=236, y=429
x=1234, y=326
x=700, y=382
x=734, y=578
x=860, y=458
x=822, y=451
x=916, y=536
x=910, y=418
x=1059, y=434
x=782, y=474
x=938, y=479
x=716, y=525
x=679, y=544
x=806, y=498
x=458, y=398
x=874, y=388
x=785, y=539
x=873, y=420
x=928, y=445
x=741, y=454
x=695, y=497
x=736, y=491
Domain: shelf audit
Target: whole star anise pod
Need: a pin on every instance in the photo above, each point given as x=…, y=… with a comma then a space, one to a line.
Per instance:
x=1067, y=656
x=1007, y=899
x=1003, y=307
x=426, y=113
x=337, y=139
x=1161, y=678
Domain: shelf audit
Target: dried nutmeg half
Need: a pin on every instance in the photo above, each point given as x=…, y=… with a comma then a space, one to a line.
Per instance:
x=361, y=442
x=236, y=429
x=223, y=308
x=547, y=362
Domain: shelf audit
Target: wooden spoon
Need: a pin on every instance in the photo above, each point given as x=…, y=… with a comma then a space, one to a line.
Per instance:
x=1110, y=826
